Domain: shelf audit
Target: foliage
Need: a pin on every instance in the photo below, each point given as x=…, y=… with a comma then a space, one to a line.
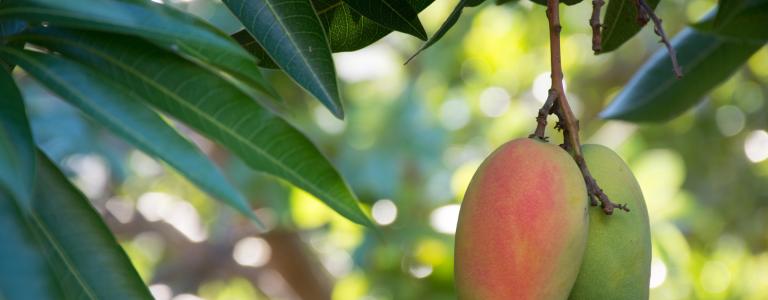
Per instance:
x=156, y=76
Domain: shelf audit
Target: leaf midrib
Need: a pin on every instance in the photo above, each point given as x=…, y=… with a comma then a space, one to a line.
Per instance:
x=62, y=254
x=176, y=99
x=616, y=20
x=288, y=34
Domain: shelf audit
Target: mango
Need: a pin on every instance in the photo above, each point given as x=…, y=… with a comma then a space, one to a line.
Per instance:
x=522, y=226
x=617, y=264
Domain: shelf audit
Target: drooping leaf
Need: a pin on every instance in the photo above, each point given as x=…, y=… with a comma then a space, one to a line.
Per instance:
x=207, y=103
x=165, y=26
x=620, y=23
x=655, y=94
x=87, y=261
x=24, y=271
x=394, y=14
x=123, y=112
x=292, y=35
x=449, y=22
x=748, y=20
x=346, y=29
x=17, y=148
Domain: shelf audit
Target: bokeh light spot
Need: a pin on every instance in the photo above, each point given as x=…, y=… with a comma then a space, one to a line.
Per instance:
x=444, y=219
x=730, y=120
x=494, y=101
x=384, y=212
x=658, y=273
x=454, y=114
x=756, y=146
x=252, y=252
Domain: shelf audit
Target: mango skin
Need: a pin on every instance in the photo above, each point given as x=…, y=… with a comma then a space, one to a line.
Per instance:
x=617, y=264
x=523, y=224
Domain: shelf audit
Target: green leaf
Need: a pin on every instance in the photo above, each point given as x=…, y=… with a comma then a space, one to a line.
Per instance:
x=747, y=20
x=293, y=37
x=24, y=271
x=86, y=259
x=452, y=19
x=655, y=94
x=566, y=2
x=346, y=29
x=620, y=23
x=727, y=9
x=502, y=2
x=207, y=103
x=17, y=148
x=394, y=14
x=123, y=112
x=165, y=26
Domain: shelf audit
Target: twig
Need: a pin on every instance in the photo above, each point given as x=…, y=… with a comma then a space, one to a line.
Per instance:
x=567, y=121
x=541, y=119
x=594, y=22
x=659, y=30
x=641, y=16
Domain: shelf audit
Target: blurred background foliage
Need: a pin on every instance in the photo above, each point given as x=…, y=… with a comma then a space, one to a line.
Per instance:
x=413, y=137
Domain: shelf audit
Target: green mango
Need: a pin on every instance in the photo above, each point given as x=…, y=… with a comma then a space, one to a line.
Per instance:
x=617, y=262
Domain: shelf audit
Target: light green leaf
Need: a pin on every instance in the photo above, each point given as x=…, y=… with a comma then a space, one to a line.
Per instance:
x=620, y=23
x=24, y=270
x=655, y=94
x=207, y=103
x=17, y=148
x=394, y=14
x=165, y=26
x=123, y=112
x=86, y=259
x=292, y=35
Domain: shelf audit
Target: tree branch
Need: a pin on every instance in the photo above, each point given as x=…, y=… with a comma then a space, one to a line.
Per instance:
x=541, y=119
x=567, y=120
x=659, y=30
x=594, y=22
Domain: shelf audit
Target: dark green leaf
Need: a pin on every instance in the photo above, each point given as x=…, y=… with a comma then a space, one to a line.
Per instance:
x=566, y=2
x=473, y=3
x=394, y=14
x=452, y=19
x=293, y=37
x=17, y=148
x=727, y=9
x=502, y=2
x=747, y=20
x=204, y=101
x=24, y=271
x=621, y=23
x=172, y=29
x=123, y=112
x=86, y=259
x=655, y=94
x=346, y=29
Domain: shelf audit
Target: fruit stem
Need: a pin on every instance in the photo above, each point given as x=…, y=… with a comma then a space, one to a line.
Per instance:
x=567, y=121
